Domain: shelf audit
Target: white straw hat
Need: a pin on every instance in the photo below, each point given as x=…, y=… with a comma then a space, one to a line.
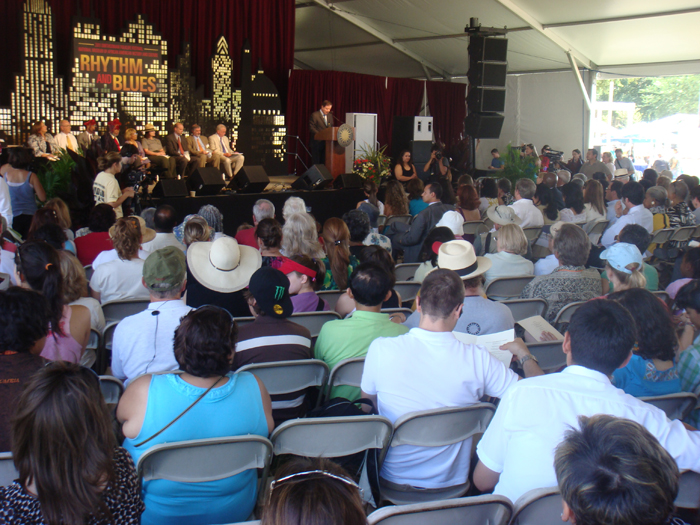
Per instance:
x=223, y=265
x=459, y=256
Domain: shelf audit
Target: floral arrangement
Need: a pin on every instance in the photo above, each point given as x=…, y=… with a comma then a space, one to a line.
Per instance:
x=372, y=164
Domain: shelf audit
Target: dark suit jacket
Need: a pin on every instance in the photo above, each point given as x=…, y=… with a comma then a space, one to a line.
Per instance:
x=107, y=143
x=316, y=123
x=411, y=241
x=171, y=147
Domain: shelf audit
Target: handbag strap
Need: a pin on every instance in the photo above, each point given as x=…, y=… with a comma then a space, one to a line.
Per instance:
x=181, y=414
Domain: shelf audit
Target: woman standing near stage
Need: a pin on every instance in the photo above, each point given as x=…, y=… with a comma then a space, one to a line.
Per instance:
x=404, y=169
x=24, y=187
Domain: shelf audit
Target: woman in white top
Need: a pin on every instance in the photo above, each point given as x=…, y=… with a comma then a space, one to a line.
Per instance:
x=370, y=189
x=608, y=161
x=75, y=289
x=106, y=188
x=509, y=261
x=593, y=200
x=575, y=210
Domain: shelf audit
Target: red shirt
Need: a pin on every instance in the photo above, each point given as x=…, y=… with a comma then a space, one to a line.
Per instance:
x=247, y=238
x=89, y=246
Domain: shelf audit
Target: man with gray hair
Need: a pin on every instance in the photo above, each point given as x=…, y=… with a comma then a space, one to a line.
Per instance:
x=221, y=150
x=263, y=209
x=65, y=139
x=143, y=342
x=563, y=177
x=523, y=205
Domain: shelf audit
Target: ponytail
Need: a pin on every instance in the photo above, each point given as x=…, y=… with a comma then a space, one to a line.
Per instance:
x=336, y=237
x=636, y=279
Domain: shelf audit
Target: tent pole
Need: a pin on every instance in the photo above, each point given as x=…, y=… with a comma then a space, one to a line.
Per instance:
x=577, y=73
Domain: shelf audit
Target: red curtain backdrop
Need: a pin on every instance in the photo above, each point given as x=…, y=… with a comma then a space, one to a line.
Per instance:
x=267, y=24
x=448, y=107
x=403, y=98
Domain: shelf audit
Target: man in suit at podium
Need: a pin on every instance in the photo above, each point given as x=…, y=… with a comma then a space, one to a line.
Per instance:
x=319, y=120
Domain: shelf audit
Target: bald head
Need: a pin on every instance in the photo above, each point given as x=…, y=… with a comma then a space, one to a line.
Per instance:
x=549, y=179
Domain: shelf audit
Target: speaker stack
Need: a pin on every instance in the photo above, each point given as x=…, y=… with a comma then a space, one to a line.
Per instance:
x=316, y=177
x=206, y=181
x=170, y=188
x=487, y=86
x=251, y=179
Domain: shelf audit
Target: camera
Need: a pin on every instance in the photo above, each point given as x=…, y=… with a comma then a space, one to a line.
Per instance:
x=553, y=155
x=438, y=154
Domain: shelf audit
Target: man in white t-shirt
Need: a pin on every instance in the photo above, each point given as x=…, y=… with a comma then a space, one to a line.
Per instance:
x=516, y=453
x=164, y=220
x=429, y=368
x=523, y=206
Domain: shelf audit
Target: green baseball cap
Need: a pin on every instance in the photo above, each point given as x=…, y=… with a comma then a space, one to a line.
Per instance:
x=165, y=269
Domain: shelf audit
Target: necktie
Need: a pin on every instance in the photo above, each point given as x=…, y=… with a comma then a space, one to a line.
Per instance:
x=325, y=120
x=179, y=145
x=116, y=141
x=199, y=143
x=223, y=146
x=69, y=142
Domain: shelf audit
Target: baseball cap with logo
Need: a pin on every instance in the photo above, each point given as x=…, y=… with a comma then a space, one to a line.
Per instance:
x=165, y=269
x=270, y=288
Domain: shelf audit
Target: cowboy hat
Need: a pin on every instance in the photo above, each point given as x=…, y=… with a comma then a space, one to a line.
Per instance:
x=149, y=127
x=147, y=234
x=503, y=215
x=223, y=265
x=459, y=256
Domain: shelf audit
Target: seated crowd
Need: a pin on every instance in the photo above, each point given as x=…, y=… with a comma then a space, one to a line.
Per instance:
x=214, y=303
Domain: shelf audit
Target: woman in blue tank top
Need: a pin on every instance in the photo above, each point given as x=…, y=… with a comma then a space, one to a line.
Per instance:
x=231, y=404
x=24, y=188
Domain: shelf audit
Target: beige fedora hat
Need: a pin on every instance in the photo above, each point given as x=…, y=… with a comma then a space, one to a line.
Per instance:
x=503, y=215
x=459, y=256
x=223, y=265
x=147, y=234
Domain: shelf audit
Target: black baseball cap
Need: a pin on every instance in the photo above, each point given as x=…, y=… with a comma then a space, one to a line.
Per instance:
x=270, y=289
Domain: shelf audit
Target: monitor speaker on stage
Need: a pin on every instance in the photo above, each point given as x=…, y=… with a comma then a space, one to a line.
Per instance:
x=206, y=181
x=316, y=177
x=420, y=151
x=483, y=125
x=251, y=179
x=347, y=181
x=170, y=188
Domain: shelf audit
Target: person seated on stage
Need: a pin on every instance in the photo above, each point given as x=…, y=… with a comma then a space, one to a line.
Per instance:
x=147, y=235
x=120, y=279
x=220, y=146
x=106, y=188
x=318, y=121
x=198, y=150
x=395, y=199
x=613, y=470
x=111, y=141
x=263, y=209
x=130, y=137
x=273, y=336
x=300, y=237
x=339, y=262
x=156, y=154
x=65, y=139
x=97, y=239
x=196, y=229
x=165, y=220
x=305, y=279
x=41, y=141
x=293, y=205
x=218, y=272
x=175, y=145
x=215, y=220
x=87, y=137
x=269, y=235
x=405, y=171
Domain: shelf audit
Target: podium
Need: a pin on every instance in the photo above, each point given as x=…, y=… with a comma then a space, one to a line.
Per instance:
x=335, y=153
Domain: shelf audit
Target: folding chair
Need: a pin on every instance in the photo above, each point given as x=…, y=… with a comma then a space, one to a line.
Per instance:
x=392, y=311
x=8, y=472
x=331, y=297
x=538, y=507
x=683, y=235
x=104, y=351
x=118, y=310
x=90, y=355
x=549, y=354
x=532, y=233
x=242, y=321
x=347, y=373
x=88, y=272
x=696, y=233
x=662, y=236
x=405, y=271
x=676, y=406
x=381, y=221
x=689, y=491
x=406, y=219
x=489, y=508
x=436, y=428
x=565, y=314
x=663, y=296
x=474, y=227
x=314, y=321
x=507, y=287
x=285, y=377
x=525, y=308
x=596, y=231
x=201, y=460
x=407, y=290
x=112, y=389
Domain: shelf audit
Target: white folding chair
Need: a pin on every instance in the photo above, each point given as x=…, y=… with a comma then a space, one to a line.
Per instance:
x=676, y=406
x=331, y=296
x=689, y=491
x=683, y=235
x=662, y=236
x=89, y=357
x=525, y=308
x=565, y=314
x=474, y=227
x=487, y=509
x=405, y=271
x=118, y=310
x=436, y=428
x=112, y=389
x=285, y=377
x=314, y=321
x=538, y=507
x=532, y=233
x=406, y=219
x=8, y=472
x=595, y=232
x=407, y=290
x=549, y=355
x=346, y=373
x=507, y=287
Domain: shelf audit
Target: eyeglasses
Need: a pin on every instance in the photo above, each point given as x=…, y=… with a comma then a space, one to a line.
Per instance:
x=299, y=476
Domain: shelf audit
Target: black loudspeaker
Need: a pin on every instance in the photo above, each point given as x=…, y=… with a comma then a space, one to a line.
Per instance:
x=251, y=179
x=487, y=74
x=170, y=188
x=483, y=125
x=486, y=100
x=316, y=177
x=206, y=181
x=347, y=180
x=420, y=152
x=488, y=49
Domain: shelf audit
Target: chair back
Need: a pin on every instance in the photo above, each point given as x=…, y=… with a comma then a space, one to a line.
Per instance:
x=683, y=235
x=381, y=220
x=689, y=491
x=549, y=355
x=525, y=308
x=488, y=509
x=314, y=321
x=118, y=310
x=663, y=296
x=89, y=357
x=242, y=321
x=407, y=290
x=538, y=507
x=285, y=377
x=104, y=351
x=474, y=227
x=8, y=472
x=347, y=373
x=331, y=297
x=88, y=272
x=405, y=271
x=565, y=314
x=112, y=389
x=662, y=236
x=596, y=231
x=532, y=233
x=406, y=219
x=508, y=287
x=676, y=406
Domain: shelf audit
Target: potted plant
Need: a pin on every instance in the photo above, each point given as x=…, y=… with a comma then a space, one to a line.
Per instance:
x=372, y=164
x=516, y=167
x=56, y=176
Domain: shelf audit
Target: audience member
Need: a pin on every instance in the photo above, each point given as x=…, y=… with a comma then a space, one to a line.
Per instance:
x=106, y=256
x=369, y=188
x=196, y=230
x=24, y=187
x=523, y=207
x=500, y=216
x=504, y=192
x=574, y=164
x=42, y=217
x=293, y=205
x=690, y=269
x=454, y=221
x=106, y=188
x=678, y=212
x=148, y=215
x=655, y=201
x=268, y=234
x=688, y=299
x=652, y=370
x=509, y=260
x=429, y=368
x=489, y=194
x=164, y=220
x=623, y=266
x=544, y=200
x=594, y=350
x=120, y=279
x=651, y=175
x=7, y=254
x=608, y=161
x=305, y=279
x=629, y=210
x=75, y=289
x=695, y=201
x=24, y=325
x=336, y=497
x=300, y=237
x=359, y=226
x=39, y=269
x=468, y=203
x=339, y=262
x=263, y=209
x=663, y=181
x=546, y=265
x=52, y=234
x=548, y=180
x=593, y=200
x=63, y=215
x=273, y=336
x=416, y=204
x=636, y=235
x=204, y=348
x=593, y=165
x=143, y=342
x=429, y=251
x=71, y=469
x=395, y=199
x=612, y=197
x=97, y=240
x=564, y=177
x=613, y=470
x=575, y=209
x=571, y=281
x=214, y=219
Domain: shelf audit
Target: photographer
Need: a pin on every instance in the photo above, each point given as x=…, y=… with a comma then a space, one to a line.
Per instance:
x=528, y=150
x=438, y=167
x=106, y=188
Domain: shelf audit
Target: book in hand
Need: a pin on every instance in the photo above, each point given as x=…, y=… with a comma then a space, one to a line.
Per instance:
x=535, y=328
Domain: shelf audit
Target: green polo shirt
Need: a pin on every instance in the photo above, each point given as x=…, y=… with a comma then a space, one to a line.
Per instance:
x=351, y=337
x=651, y=274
